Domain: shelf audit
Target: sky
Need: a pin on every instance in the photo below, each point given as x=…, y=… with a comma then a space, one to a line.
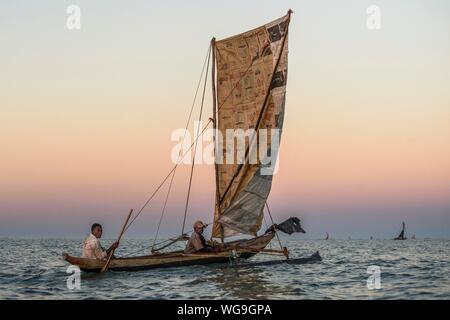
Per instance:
x=86, y=115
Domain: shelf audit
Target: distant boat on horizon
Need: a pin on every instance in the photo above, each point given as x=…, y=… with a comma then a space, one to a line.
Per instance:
x=401, y=236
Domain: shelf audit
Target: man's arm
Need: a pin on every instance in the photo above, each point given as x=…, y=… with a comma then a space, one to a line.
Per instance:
x=114, y=246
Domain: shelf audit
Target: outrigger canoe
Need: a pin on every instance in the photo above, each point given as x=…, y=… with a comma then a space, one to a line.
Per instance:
x=249, y=93
x=245, y=249
x=229, y=252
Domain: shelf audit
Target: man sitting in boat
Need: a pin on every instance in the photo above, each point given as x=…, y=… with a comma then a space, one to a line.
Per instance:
x=91, y=245
x=196, y=242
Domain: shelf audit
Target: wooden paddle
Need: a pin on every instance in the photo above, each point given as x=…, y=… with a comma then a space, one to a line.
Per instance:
x=105, y=267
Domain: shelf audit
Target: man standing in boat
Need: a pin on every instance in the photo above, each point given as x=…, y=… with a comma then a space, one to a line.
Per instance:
x=197, y=242
x=91, y=245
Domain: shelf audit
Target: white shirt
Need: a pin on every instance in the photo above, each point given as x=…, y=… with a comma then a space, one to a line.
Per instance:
x=92, y=248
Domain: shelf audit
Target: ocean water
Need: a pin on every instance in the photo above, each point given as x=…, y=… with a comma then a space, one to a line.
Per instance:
x=412, y=269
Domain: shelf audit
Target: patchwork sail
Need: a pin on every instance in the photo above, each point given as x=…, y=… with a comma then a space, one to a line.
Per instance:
x=251, y=92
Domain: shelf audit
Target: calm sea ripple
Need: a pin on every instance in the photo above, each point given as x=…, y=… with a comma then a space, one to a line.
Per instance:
x=413, y=269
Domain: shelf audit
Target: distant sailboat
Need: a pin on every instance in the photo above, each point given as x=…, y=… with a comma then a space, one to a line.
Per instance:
x=401, y=236
x=328, y=236
x=413, y=237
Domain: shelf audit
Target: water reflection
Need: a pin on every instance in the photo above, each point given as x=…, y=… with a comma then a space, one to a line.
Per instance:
x=34, y=269
x=246, y=282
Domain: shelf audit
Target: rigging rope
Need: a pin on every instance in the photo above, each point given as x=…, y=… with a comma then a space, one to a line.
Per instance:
x=182, y=143
x=159, y=243
x=176, y=165
x=276, y=233
x=195, y=146
x=267, y=227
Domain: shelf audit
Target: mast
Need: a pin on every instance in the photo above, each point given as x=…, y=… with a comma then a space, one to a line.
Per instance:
x=216, y=167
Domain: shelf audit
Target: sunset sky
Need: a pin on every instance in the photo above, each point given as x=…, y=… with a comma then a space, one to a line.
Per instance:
x=86, y=115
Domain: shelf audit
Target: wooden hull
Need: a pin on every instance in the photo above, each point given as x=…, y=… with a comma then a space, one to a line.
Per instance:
x=245, y=248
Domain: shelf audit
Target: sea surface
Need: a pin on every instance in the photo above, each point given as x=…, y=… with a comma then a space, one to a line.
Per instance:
x=412, y=269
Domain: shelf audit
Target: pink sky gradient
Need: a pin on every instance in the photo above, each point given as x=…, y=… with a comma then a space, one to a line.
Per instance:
x=86, y=116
